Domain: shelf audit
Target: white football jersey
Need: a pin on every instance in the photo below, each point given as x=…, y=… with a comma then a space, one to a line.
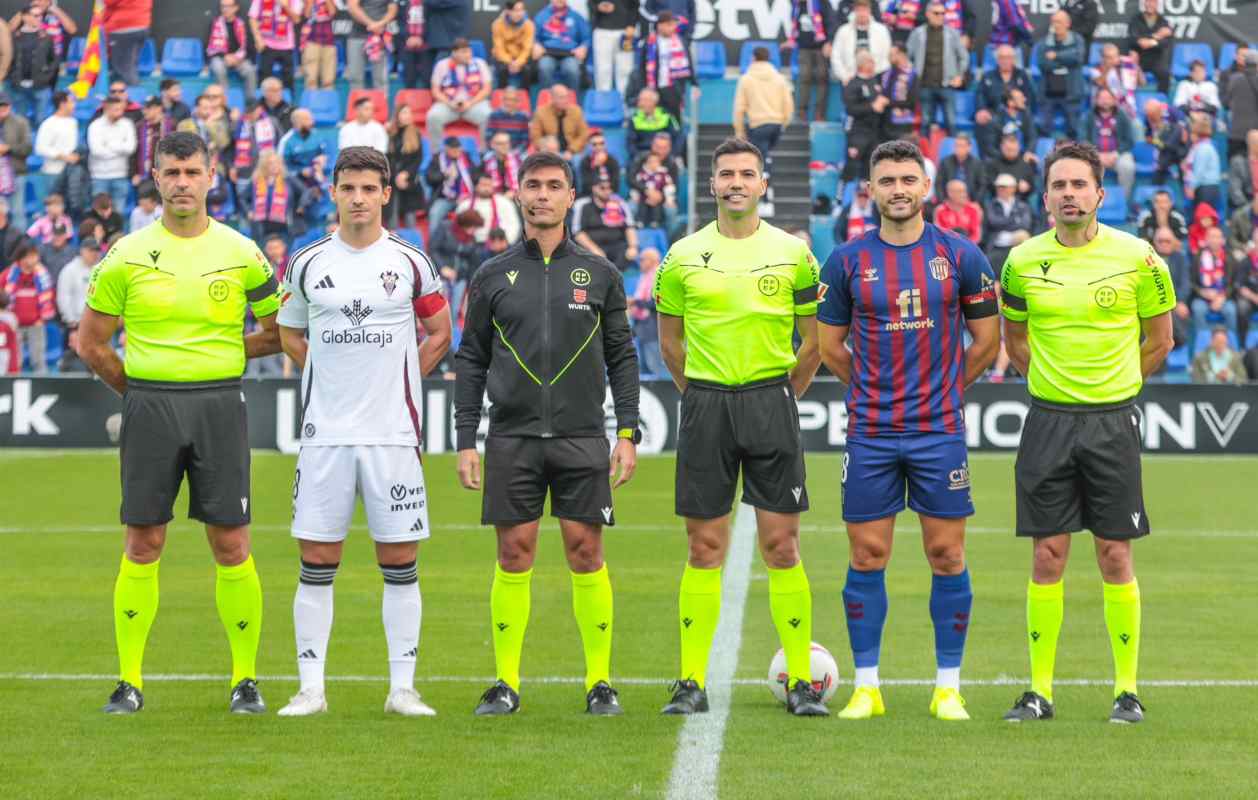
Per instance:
x=361, y=382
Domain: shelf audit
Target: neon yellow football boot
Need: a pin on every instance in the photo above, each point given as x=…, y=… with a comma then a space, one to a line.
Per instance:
x=866, y=702
x=947, y=704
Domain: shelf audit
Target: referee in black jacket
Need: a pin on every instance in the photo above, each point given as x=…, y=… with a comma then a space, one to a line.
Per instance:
x=546, y=327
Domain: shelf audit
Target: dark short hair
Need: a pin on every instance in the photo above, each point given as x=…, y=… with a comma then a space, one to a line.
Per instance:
x=110, y=100
x=896, y=150
x=59, y=97
x=147, y=190
x=362, y=99
x=498, y=234
x=734, y=145
x=362, y=157
x=760, y=54
x=543, y=160
x=167, y=83
x=1079, y=151
x=469, y=219
x=182, y=145
x=24, y=249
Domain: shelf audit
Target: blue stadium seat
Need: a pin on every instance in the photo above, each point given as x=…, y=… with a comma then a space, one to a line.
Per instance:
x=822, y=231
x=1114, y=208
x=1094, y=54
x=137, y=94
x=1251, y=340
x=966, y=105
x=236, y=98
x=617, y=145
x=1146, y=156
x=84, y=110
x=1178, y=360
x=849, y=192
x=947, y=146
x=182, y=56
x=1227, y=55
x=1184, y=53
x=716, y=104
x=471, y=146
x=709, y=60
x=324, y=105
x=37, y=186
x=411, y=235
x=148, y=59
x=632, y=277
x=1043, y=146
x=478, y=49
x=653, y=237
x=1201, y=339
x=604, y=109
x=828, y=142
x=745, y=54
x=74, y=54
x=54, y=344
x=823, y=183
x=1141, y=195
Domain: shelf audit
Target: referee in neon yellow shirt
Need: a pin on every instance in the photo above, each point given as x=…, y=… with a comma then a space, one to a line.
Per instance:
x=182, y=285
x=1087, y=318
x=730, y=297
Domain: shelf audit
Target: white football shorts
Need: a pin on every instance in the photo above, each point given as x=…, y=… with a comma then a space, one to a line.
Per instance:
x=390, y=480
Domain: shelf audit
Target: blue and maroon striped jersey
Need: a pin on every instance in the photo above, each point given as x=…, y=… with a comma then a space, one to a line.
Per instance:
x=906, y=308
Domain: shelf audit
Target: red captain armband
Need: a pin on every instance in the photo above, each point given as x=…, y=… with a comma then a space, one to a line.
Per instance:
x=429, y=304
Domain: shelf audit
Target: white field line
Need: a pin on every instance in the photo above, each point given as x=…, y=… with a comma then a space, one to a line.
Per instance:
x=702, y=736
x=479, y=680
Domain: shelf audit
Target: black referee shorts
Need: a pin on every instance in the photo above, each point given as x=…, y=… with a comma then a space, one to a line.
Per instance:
x=172, y=429
x=754, y=427
x=1078, y=468
x=520, y=470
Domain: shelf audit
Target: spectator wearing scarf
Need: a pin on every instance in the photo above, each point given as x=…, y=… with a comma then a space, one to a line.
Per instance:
x=604, y=224
x=562, y=42
x=666, y=64
x=450, y=176
x=1010, y=25
x=228, y=50
x=502, y=164
x=369, y=42
x=460, y=89
x=813, y=30
x=150, y=130
x=318, y=44
x=1212, y=284
x=274, y=24
x=902, y=16
x=495, y=210
x=269, y=198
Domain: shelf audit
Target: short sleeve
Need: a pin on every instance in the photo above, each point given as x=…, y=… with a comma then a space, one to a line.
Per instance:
x=427, y=279
x=262, y=289
x=978, y=283
x=107, y=286
x=834, y=293
x=1012, y=294
x=807, y=282
x=670, y=291
x=294, y=310
x=1155, y=292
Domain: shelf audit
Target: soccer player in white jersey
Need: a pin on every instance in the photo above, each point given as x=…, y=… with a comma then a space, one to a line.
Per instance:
x=350, y=304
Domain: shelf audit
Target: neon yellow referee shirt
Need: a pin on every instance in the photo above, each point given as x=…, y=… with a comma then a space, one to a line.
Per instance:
x=1082, y=307
x=182, y=300
x=739, y=299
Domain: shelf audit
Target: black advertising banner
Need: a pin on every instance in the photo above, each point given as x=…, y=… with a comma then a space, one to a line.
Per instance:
x=1176, y=418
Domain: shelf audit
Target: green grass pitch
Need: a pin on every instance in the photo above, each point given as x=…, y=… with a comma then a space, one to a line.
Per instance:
x=61, y=551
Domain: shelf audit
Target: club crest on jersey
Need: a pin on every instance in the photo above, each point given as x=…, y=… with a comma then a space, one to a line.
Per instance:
x=389, y=280
x=356, y=312
x=822, y=288
x=939, y=268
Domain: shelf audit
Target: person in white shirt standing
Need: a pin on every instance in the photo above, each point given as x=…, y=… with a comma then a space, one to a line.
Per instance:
x=57, y=139
x=460, y=90
x=495, y=208
x=350, y=305
x=72, y=283
x=110, y=142
x=364, y=129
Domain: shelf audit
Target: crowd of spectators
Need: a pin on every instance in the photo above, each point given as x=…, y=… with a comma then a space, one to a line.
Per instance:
x=455, y=147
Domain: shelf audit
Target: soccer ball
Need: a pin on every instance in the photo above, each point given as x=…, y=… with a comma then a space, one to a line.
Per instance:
x=825, y=673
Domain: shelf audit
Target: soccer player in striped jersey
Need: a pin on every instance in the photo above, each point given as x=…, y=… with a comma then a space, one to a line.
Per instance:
x=350, y=305
x=903, y=297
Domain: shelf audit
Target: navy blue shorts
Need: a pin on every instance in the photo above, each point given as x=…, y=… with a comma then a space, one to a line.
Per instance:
x=930, y=468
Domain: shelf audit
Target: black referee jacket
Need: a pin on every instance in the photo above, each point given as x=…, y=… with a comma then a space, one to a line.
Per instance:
x=545, y=339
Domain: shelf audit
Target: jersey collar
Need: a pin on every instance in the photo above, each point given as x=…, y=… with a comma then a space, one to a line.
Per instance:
x=534, y=250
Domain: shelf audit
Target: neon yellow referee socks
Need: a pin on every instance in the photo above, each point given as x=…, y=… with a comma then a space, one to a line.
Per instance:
x=592, y=606
x=509, y=615
x=1122, y=619
x=238, y=594
x=700, y=610
x=790, y=603
x=1045, y=607
x=135, y=607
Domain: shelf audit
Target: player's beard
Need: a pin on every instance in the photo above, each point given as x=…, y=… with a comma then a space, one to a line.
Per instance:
x=913, y=209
